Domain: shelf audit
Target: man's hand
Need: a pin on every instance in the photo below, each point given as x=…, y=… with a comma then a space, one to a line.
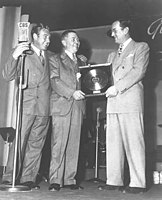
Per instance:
x=78, y=95
x=20, y=48
x=111, y=91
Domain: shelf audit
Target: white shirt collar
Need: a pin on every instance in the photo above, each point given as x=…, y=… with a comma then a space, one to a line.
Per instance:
x=69, y=54
x=37, y=51
x=126, y=43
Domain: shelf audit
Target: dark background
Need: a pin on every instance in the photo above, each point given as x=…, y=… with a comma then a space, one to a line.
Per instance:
x=73, y=14
x=63, y=14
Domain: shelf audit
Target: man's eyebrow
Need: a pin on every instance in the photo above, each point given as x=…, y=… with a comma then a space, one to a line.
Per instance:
x=46, y=34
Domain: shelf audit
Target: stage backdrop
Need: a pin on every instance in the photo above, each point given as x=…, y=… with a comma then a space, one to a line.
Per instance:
x=95, y=45
x=9, y=16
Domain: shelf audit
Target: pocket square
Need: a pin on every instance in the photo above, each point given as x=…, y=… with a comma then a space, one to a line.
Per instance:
x=130, y=55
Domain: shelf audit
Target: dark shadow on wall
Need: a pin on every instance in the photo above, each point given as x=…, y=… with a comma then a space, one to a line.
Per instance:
x=84, y=49
x=87, y=153
x=151, y=80
x=55, y=44
x=150, y=101
x=43, y=174
x=153, y=76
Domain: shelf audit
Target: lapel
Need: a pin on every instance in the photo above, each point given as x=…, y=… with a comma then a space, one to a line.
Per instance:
x=40, y=65
x=38, y=61
x=128, y=49
x=42, y=69
x=46, y=62
x=119, y=59
x=68, y=63
x=73, y=68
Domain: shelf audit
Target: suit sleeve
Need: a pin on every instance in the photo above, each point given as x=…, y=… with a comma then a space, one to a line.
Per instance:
x=137, y=70
x=11, y=69
x=57, y=84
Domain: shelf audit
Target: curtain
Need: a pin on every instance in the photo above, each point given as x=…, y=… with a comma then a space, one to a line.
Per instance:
x=9, y=17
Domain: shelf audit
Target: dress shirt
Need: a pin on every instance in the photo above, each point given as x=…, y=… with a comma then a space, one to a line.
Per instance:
x=37, y=51
x=71, y=55
x=125, y=43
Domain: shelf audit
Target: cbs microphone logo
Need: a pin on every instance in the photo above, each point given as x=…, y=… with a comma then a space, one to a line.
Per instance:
x=23, y=32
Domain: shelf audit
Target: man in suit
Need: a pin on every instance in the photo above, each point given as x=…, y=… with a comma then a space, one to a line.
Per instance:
x=125, y=99
x=67, y=110
x=35, y=102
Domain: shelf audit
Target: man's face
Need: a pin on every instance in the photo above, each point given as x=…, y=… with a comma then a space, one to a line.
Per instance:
x=71, y=42
x=42, y=40
x=118, y=32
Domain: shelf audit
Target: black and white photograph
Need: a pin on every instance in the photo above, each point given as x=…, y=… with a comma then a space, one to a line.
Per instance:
x=81, y=99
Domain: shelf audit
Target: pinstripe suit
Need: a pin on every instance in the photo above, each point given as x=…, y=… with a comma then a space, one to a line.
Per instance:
x=125, y=131
x=35, y=113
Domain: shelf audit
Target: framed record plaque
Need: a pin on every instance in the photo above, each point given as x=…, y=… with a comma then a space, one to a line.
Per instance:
x=95, y=79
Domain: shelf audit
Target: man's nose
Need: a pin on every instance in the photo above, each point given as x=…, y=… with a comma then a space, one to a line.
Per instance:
x=112, y=34
x=77, y=41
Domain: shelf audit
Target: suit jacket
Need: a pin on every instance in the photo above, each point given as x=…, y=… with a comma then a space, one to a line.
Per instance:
x=64, y=83
x=128, y=70
x=36, y=95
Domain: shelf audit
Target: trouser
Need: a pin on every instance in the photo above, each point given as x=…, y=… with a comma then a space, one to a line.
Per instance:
x=32, y=138
x=65, y=143
x=125, y=136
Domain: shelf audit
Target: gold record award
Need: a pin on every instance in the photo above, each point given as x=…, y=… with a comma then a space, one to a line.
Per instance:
x=95, y=79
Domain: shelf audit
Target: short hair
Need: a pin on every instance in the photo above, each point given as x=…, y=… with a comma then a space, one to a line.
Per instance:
x=36, y=28
x=65, y=33
x=125, y=23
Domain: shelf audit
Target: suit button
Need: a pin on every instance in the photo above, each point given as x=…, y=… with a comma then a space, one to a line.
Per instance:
x=123, y=67
x=37, y=97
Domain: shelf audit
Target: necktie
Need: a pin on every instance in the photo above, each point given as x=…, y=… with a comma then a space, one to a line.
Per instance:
x=120, y=49
x=41, y=58
x=74, y=58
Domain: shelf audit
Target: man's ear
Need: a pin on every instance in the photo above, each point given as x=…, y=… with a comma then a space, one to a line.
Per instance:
x=126, y=30
x=63, y=43
x=35, y=36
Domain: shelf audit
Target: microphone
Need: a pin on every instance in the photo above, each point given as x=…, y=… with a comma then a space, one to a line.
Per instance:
x=23, y=35
x=23, y=32
x=29, y=51
x=98, y=114
x=83, y=58
x=99, y=109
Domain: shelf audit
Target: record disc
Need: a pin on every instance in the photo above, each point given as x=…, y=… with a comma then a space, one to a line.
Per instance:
x=95, y=79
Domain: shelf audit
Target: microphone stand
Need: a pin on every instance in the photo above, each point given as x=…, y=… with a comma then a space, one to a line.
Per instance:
x=14, y=187
x=96, y=179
